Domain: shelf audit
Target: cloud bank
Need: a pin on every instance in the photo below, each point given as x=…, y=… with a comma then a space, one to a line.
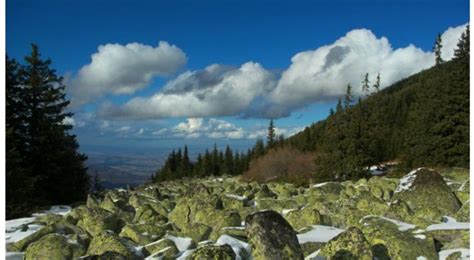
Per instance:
x=124, y=69
x=250, y=90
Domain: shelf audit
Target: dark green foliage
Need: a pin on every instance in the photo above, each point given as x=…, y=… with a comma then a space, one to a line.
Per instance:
x=43, y=166
x=377, y=83
x=437, y=50
x=421, y=121
x=271, y=135
x=215, y=163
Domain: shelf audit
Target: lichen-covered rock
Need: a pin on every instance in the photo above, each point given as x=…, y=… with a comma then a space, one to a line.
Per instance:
x=350, y=244
x=450, y=239
x=146, y=214
x=54, y=246
x=384, y=232
x=197, y=231
x=463, y=213
x=300, y=218
x=164, y=248
x=143, y=233
x=108, y=241
x=223, y=252
x=427, y=194
x=265, y=192
x=49, y=219
x=109, y=255
x=276, y=204
x=96, y=220
x=271, y=237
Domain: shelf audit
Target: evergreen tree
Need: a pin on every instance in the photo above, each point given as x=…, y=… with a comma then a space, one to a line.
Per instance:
x=41, y=140
x=377, y=83
x=185, y=166
x=271, y=135
x=339, y=107
x=348, y=98
x=437, y=49
x=228, y=161
x=365, y=85
x=462, y=50
x=258, y=149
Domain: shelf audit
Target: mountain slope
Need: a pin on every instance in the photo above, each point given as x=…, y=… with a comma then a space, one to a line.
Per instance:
x=421, y=120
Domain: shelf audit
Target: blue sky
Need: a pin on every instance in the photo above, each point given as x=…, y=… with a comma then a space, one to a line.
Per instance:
x=287, y=60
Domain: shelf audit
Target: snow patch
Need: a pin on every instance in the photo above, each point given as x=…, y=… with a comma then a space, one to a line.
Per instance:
x=14, y=255
x=420, y=236
x=237, y=245
x=237, y=197
x=407, y=180
x=314, y=256
x=319, y=233
x=465, y=254
x=182, y=243
x=402, y=226
x=319, y=185
x=449, y=226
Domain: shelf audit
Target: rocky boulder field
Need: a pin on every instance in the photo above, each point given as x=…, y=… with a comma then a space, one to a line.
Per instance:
x=423, y=215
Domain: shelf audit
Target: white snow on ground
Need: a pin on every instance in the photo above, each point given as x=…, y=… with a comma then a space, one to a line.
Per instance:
x=445, y=253
x=462, y=186
x=314, y=256
x=13, y=232
x=319, y=185
x=420, y=236
x=60, y=210
x=402, y=226
x=14, y=256
x=407, y=180
x=185, y=254
x=182, y=243
x=421, y=258
x=237, y=197
x=449, y=226
x=319, y=234
x=237, y=245
x=286, y=211
x=234, y=228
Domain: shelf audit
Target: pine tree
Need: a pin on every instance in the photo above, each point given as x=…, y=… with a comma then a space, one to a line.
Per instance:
x=258, y=149
x=437, y=49
x=97, y=187
x=377, y=83
x=57, y=170
x=271, y=135
x=228, y=161
x=348, y=98
x=339, y=107
x=185, y=166
x=365, y=85
x=462, y=50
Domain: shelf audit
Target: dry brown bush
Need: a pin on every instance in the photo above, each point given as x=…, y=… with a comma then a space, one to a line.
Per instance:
x=282, y=164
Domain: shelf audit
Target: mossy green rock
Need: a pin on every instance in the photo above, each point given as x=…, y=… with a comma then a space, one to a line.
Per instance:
x=159, y=245
x=54, y=246
x=196, y=231
x=427, y=194
x=380, y=231
x=223, y=252
x=146, y=214
x=143, y=233
x=271, y=236
x=96, y=220
x=350, y=244
x=109, y=255
x=108, y=241
x=307, y=216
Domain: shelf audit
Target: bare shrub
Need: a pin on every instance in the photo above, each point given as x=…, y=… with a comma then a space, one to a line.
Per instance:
x=282, y=164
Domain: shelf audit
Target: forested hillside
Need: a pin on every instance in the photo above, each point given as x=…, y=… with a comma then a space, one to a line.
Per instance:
x=420, y=121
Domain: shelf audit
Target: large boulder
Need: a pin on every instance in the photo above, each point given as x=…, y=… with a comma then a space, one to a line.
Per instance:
x=223, y=252
x=350, y=244
x=307, y=216
x=143, y=233
x=96, y=220
x=54, y=246
x=158, y=246
x=401, y=240
x=271, y=237
x=108, y=241
x=427, y=194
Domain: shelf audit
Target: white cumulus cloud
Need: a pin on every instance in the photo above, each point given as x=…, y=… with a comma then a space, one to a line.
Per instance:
x=313, y=76
x=124, y=69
